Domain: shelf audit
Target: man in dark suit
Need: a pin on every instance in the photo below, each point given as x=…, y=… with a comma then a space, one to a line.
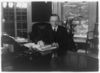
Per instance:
x=62, y=38
x=59, y=35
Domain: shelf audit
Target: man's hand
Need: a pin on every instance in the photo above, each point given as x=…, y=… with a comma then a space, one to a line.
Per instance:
x=41, y=43
x=55, y=45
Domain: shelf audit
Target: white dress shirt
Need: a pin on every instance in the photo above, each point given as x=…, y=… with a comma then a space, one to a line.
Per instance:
x=55, y=28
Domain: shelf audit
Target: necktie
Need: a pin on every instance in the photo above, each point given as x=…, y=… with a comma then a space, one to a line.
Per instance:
x=54, y=29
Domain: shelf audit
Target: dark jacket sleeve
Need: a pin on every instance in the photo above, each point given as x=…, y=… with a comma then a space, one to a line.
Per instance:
x=66, y=42
x=72, y=46
x=62, y=41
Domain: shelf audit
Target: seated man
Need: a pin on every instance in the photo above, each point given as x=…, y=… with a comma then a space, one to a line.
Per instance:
x=60, y=36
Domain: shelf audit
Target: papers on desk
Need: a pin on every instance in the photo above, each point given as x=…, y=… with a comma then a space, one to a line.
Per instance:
x=20, y=40
x=46, y=48
x=81, y=51
x=29, y=45
x=38, y=47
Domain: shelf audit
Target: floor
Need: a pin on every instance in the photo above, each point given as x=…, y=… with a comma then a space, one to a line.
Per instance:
x=71, y=62
x=93, y=53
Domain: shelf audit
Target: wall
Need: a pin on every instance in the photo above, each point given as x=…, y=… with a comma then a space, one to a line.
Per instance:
x=29, y=16
x=92, y=6
x=57, y=8
x=92, y=14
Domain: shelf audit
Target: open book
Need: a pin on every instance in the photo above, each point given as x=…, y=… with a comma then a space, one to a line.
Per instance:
x=40, y=48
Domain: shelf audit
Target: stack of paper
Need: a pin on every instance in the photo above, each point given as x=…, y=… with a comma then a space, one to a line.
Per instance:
x=46, y=48
x=38, y=47
x=20, y=40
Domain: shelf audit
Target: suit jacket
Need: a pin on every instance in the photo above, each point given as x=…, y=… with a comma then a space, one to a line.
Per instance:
x=61, y=37
x=64, y=40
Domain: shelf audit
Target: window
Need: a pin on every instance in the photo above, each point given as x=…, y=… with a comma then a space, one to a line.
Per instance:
x=15, y=18
x=21, y=19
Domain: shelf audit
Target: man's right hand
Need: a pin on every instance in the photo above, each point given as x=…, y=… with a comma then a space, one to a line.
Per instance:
x=41, y=43
x=55, y=45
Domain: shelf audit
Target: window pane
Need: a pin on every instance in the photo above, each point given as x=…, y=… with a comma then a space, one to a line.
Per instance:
x=19, y=25
x=24, y=25
x=19, y=33
x=24, y=18
x=18, y=13
x=25, y=34
x=24, y=13
x=18, y=17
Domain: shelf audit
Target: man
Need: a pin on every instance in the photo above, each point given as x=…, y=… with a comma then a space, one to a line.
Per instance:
x=62, y=38
x=59, y=35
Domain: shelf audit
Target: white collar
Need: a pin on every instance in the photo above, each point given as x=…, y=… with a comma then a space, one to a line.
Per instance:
x=55, y=28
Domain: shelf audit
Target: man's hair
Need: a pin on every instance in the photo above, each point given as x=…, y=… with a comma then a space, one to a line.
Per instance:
x=55, y=15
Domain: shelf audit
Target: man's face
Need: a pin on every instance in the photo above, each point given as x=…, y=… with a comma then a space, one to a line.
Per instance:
x=54, y=21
